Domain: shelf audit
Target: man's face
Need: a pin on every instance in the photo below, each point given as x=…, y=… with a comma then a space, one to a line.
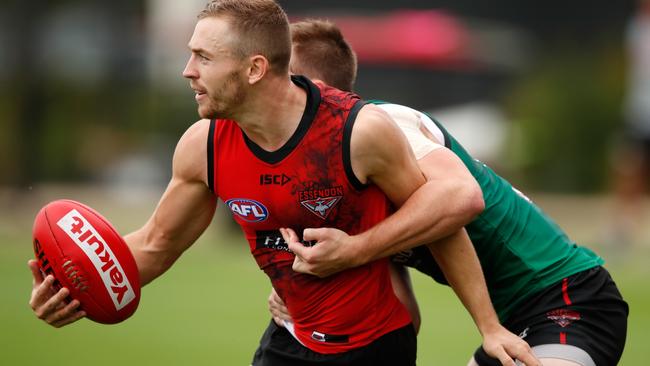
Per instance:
x=216, y=74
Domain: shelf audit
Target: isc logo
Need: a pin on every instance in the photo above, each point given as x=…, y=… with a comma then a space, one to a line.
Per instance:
x=248, y=210
x=274, y=179
x=101, y=255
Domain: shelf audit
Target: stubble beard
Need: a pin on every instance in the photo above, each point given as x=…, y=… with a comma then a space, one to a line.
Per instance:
x=224, y=103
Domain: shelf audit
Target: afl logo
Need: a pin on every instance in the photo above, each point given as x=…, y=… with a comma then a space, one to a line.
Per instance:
x=248, y=210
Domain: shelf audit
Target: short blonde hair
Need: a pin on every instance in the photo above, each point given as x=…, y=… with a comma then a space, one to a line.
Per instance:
x=261, y=27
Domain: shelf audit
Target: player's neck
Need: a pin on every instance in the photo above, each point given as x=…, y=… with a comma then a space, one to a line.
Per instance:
x=273, y=115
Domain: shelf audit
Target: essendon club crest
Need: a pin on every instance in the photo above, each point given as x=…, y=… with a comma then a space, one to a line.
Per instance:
x=563, y=317
x=321, y=207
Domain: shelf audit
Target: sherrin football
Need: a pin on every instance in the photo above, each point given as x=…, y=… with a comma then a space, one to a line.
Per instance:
x=84, y=253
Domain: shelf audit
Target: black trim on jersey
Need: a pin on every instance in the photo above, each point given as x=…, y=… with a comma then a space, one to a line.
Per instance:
x=211, y=155
x=213, y=123
x=347, y=135
x=311, y=107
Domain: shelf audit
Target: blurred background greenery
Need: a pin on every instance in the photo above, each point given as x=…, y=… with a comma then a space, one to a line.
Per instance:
x=92, y=103
x=89, y=87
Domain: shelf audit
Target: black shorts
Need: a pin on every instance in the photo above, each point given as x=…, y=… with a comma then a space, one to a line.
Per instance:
x=279, y=348
x=582, y=317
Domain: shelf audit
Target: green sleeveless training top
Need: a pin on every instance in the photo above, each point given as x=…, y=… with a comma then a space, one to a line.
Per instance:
x=521, y=250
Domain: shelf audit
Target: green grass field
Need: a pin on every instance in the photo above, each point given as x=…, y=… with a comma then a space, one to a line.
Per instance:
x=210, y=309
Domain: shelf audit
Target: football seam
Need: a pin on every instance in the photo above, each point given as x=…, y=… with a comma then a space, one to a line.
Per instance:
x=117, y=234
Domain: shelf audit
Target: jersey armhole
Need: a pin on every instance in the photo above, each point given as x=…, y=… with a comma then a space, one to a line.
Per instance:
x=211, y=155
x=435, y=128
x=347, y=135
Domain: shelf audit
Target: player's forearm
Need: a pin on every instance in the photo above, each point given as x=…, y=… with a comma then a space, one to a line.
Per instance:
x=152, y=261
x=457, y=258
x=434, y=211
x=183, y=213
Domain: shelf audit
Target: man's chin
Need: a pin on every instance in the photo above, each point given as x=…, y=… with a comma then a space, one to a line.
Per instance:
x=206, y=113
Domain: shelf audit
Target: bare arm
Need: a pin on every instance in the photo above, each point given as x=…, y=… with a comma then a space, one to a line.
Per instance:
x=392, y=167
x=447, y=202
x=468, y=283
x=184, y=211
x=430, y=210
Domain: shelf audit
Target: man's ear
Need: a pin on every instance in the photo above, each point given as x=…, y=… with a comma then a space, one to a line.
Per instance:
x=259, y=66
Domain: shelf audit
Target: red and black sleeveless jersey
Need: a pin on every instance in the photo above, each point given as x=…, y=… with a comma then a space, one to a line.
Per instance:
x=308, y=183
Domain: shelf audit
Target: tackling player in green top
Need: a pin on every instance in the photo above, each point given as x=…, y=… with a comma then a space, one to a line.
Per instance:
x=545, y=287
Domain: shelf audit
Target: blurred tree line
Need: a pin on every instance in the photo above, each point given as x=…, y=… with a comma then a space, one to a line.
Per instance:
x=76, y=96
x=566, y=115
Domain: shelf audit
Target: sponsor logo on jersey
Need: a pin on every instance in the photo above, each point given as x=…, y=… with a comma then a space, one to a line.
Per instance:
x=272, y=239
x=320, y=202
x=563, y=317
x=100, y=254
x=274, y=179
x=248, y=210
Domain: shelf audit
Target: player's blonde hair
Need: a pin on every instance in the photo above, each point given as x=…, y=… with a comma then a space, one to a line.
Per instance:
x=261, y=27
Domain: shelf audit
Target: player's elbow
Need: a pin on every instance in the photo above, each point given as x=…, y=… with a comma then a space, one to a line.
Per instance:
x=475, y=204
x=470, y=196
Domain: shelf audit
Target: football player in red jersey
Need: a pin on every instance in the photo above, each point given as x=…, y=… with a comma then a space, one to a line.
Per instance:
x=251, y=108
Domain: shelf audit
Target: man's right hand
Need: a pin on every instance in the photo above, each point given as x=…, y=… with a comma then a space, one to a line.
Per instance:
x=50, y=305
x=278, y=310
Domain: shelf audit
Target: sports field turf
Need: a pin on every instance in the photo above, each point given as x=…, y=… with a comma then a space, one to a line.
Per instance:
x=210, y=309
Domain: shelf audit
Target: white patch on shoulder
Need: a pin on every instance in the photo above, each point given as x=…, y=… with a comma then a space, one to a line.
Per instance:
x=409, y=121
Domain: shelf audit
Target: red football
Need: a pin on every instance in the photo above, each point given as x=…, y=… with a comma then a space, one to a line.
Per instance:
x=84, y=253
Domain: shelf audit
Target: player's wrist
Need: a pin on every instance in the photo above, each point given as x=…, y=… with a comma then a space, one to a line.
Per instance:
x=489, y=327
x=357, y=254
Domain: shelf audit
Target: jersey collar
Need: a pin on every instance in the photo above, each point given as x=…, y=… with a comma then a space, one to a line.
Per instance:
x=311, y=107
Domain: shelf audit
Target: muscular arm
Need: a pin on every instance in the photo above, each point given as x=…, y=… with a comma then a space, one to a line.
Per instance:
x=430, y=209
x=379, y=153
x=184, y=211
x=448, y=201
x=469, y=285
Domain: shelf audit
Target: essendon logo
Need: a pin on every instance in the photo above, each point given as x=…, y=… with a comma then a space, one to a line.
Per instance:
x=248, y=210
x=100, y=254
x=563, y=317
x=321, y=207
x=320, y=202
x=312, y=194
